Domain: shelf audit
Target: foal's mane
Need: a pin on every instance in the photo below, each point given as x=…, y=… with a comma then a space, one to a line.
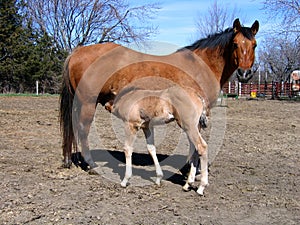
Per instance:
x=219, y=39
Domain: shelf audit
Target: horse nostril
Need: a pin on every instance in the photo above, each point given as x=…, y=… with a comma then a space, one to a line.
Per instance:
x=244, y=75
x=241, y=72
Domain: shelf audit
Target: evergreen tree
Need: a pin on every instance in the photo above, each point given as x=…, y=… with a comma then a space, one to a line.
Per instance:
x=27, y=55
x=10, y=28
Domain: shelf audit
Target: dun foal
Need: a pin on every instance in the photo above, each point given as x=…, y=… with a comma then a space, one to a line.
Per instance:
x=143, y=109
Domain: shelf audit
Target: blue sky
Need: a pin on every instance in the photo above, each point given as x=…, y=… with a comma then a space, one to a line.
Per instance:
x=177, y=19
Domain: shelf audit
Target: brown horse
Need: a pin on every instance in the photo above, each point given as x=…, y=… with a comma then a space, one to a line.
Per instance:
x=96, y=74
x=143, y=109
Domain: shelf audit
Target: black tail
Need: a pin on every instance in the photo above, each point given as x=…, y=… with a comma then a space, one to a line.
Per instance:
x=66, y=110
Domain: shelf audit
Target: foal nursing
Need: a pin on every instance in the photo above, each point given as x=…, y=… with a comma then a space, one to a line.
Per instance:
x=143, y=109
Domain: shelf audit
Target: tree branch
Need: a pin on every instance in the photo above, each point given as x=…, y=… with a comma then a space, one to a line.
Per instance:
x=120, y=20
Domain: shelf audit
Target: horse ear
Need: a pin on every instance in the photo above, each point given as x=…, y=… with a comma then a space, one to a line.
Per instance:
x=236, y=25
x=255, y=27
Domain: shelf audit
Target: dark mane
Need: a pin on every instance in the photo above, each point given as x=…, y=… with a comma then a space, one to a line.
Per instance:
x=220, y=39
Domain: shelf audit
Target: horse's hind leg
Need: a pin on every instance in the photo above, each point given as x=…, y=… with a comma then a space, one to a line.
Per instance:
x=149, y=134
x=196, y=161
x=85, y=121
x=193, y=163
x=130, y=133
x=201, y=149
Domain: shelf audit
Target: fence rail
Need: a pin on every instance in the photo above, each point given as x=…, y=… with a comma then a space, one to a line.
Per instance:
x=273, y=90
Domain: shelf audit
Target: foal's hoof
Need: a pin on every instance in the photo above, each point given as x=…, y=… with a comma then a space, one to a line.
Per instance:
x=186, y=187
x=158, y=184
x=200, y=191
x=123, y=184
x=158, y=181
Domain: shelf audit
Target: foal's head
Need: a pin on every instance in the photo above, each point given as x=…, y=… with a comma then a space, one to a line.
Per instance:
x=244, y=44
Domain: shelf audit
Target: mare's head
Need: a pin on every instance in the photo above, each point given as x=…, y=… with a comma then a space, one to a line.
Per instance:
x=243, y=45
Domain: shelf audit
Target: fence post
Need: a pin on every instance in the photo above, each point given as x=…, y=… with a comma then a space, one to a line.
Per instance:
x=259, y=80
x=273, y=90
x=37, y=87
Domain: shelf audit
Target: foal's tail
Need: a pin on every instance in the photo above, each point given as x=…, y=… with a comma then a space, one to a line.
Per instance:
x=66, y=116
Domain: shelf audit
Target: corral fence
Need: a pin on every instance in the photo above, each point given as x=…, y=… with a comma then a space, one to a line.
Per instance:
x=273, y=90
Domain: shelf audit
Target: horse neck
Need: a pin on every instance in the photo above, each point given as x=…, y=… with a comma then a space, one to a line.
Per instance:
x=219, y=62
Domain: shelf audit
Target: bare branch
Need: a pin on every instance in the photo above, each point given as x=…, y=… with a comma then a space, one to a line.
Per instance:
x=80, y=22
x=281, y=56
x=288, y=11
x=216, y=19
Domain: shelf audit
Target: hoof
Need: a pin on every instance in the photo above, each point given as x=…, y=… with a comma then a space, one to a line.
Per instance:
x=201, y=190
x=123, y=184
x=186, y=187
x=158, y=182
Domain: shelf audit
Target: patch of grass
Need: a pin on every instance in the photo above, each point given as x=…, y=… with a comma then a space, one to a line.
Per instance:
x=295, y=98
x=27, y=95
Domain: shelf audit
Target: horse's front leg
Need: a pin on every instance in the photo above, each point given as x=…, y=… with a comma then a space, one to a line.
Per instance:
x=85, y=121
x=149, y=134
x=130, y=133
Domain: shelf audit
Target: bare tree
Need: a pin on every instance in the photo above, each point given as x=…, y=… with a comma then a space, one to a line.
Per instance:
x=280, y=57
x=216, y=19
x=80, y=22
x=289, y=13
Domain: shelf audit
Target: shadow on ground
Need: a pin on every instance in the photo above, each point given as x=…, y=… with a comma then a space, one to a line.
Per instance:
x=113, y=159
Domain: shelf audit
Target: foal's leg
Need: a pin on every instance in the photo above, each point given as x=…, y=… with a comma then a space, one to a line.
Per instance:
x=85, y=121
x=130, y=133
x=193, y=163
x=202, y=151
x=201, y=148
x=149, y=134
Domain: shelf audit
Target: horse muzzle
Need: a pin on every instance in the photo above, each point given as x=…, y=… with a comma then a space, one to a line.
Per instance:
x=244, y=75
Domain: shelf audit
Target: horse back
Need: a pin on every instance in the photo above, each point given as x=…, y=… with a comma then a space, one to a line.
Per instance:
x=106, y=73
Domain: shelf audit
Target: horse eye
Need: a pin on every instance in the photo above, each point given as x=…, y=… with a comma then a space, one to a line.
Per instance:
x=235, y=45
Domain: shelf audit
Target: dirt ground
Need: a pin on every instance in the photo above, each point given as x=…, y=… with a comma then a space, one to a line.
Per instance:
x=254, y=176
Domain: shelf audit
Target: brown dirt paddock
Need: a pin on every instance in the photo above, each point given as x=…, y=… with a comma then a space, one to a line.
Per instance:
x=254, y=179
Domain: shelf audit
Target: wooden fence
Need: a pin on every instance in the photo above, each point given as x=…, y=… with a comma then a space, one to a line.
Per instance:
x=271, y=90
